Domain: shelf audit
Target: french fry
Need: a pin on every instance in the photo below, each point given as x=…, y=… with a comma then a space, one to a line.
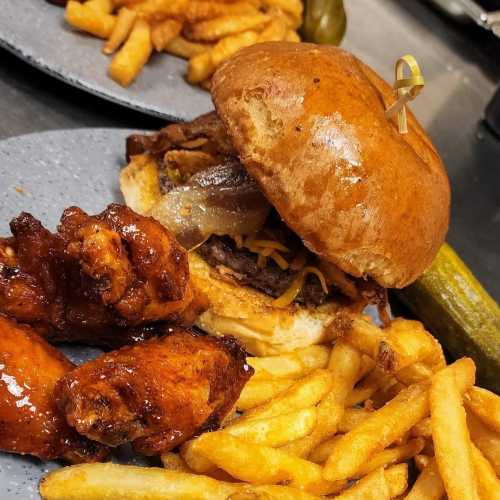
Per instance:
x=200, y=67
x=164, y=32
x=292, y=365
x=89, y=20
x=292, y=36
x=374, y=381
x=223, y=26
x=388, y=391
x=123, y=26
x=365, y=336
x=412, y=374
x=422, y=429
x=397, y=479
x=105, y=6
x=228, y=46
x=202, y=10
x=486, y=440
x=321, y=453
x=429, y=485
x=263, y=465
x=275, y=31
x=294, y=7
x=158, y=10
x=451, y=438
x=181, y=47
x=304, y=393
x=351, y=418
x=273, y=432
x=488, y=484
x=267, y=492
x=127, y=482
x=387, y=424
x=377, y=432
x=410, y=343
x=421, y=461
x=130, y=59
x=391, y=456
x=346, y=361
x=485, y=405
x=173, y=461
x=374, y=486
x=258, y=392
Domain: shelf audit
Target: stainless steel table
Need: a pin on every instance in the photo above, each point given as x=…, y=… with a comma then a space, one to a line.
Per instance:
x=462, y=69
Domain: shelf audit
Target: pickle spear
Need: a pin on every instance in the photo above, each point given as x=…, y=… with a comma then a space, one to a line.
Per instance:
x=451, y=302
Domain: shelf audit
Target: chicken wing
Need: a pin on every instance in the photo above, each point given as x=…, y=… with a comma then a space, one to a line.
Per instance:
x=30, y=421
x=97, y=277
x=156, y=394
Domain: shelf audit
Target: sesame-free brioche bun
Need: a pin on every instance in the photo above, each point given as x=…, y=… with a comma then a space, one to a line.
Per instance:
x=308, y=123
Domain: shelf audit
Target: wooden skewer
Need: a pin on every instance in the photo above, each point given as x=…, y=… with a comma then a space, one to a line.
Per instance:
x=406, y=90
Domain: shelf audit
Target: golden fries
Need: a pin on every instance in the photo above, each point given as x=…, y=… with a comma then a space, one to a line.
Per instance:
x=164, y=32
x=124, y=24
x=126, y=482
x=205, y=32
x=128, y=62
x=373, y=486
x=294, y=365
x=258, y=392
x=429, y=485
x=215, y=29
x=451, y=437
x=347, y=361
x=262, y=464
x=298, y=428
x=181, y=47
x=88, y=19
x=304, y=393
x=485, y=405
x=486, y=440
x=488, y=484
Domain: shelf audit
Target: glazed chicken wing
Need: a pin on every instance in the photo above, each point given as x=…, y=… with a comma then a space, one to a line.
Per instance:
x=30, y=421
x=156, y=394
x=97, y=278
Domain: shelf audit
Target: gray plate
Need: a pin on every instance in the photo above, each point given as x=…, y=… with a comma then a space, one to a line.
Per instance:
x=43, y=174
x=36, y=32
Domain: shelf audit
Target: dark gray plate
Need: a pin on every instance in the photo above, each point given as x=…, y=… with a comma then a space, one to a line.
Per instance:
x=36, y=32
x=43, y=174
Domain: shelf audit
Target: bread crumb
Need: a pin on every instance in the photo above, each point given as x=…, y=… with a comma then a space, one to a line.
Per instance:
x=20, y=190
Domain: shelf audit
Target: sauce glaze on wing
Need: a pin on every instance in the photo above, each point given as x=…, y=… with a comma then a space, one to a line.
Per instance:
x=156, y=394
x=97, y=277
x=30, y=421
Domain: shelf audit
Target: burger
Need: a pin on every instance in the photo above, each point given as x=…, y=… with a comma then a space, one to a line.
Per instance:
x=299, y=201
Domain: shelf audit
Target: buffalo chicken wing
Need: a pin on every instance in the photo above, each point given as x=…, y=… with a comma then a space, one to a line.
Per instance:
x=30, y=421
x=156, y=394
x=96, y=278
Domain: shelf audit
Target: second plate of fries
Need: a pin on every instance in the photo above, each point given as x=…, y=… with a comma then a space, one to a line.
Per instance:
x=155, y=56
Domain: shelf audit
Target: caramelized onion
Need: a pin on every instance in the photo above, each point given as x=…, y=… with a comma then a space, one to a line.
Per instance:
x=220, y=200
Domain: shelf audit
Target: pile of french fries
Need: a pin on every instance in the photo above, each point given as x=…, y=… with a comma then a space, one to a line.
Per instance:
x=342, y=421
x=205, y=32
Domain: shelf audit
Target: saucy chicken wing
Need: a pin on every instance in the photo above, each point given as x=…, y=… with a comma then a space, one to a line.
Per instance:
x=96, y=277
x=30, y=421
x=156, y=394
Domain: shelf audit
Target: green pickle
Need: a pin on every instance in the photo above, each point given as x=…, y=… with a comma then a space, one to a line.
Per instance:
x=451, y=302
x=324, y=21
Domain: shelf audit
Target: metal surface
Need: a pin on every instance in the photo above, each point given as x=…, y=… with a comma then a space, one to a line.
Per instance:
x=36, y=32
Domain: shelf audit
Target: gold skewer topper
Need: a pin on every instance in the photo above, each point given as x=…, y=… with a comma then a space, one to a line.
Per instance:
x=406, y=89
